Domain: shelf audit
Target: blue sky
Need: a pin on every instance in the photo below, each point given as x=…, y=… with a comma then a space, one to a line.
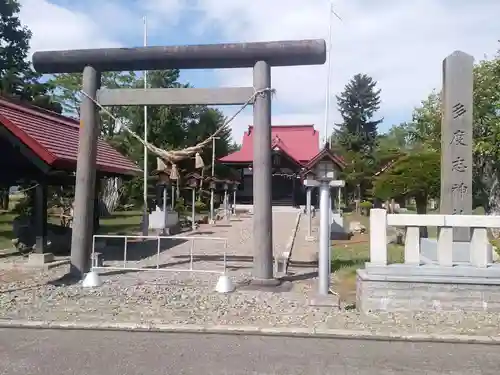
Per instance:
x=399, y=43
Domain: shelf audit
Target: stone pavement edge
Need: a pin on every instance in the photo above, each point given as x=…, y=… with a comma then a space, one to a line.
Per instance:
x=255, y=331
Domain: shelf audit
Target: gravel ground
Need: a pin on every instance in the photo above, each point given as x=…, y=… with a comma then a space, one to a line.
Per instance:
x=169, y=298
x=193, y=301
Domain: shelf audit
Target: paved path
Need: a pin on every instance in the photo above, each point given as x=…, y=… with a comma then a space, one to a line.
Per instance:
x=122, y=353
x=208, y=253
x=303, y=250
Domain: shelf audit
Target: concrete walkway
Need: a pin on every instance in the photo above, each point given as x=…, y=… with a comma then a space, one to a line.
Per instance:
x=306, y=251
x=208, y=253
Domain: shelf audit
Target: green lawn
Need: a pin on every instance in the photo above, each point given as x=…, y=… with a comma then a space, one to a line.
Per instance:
x=348, y=257
x=118, y=223
x=121, y=223
x=6, y=229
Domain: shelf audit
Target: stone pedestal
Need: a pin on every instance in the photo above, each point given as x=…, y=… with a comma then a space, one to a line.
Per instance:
x=40, y=259
x=461, y=251
x=403, y=288
x=167, y=222
x=330, y=300
x=337, y=229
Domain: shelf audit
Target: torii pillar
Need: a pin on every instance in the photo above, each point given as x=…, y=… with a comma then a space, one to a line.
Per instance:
x=259, y=56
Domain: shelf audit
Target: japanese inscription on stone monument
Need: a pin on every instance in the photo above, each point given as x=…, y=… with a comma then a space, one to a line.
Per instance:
x=456, y=139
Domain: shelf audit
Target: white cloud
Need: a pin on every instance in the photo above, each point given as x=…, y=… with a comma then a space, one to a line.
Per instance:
x=400, y=43
x=57, y=28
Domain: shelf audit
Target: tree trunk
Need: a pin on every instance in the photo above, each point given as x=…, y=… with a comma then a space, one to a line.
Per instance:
x=110, y=196
x=358, y=199
x=5, y=199
x=421, y=203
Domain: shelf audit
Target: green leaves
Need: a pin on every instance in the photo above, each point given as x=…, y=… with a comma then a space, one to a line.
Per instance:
x=17, y=78
x=357, y=105
x=169, y=127
x=411, y=175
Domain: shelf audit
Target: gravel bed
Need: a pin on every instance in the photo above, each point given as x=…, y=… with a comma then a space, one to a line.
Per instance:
x=169, y=301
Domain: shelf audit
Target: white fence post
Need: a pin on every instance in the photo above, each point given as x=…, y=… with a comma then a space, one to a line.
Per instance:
x=479, y=247
x=445, y=246
x=158, y=252
x=412, y=245
x=378, y=236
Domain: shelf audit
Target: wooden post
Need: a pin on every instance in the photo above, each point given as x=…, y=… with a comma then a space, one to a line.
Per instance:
x=95, y=222
x=41, y=217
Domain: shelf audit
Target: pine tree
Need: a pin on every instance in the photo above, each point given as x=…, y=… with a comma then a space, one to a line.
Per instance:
x=357, y=104
x=17, y=78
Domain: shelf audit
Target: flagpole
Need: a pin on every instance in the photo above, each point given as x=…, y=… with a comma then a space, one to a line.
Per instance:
x=328, y=73
x=145, y=229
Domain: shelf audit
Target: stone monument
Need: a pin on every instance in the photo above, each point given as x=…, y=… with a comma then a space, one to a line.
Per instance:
x=456, y=153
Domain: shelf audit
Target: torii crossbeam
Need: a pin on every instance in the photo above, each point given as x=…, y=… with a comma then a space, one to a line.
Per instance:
x=259, y=56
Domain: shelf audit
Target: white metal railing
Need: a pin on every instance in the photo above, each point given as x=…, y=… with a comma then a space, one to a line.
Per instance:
x=192, y=239
x=479, y=244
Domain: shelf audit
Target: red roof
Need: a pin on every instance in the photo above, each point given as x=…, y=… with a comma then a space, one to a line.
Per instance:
x=299, y=142
x=54, y=138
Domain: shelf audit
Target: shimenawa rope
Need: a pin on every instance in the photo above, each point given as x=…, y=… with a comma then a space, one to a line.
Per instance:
x=175, y=156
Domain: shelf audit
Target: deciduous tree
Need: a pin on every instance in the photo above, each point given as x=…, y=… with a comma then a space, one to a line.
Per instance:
x=17, y=78
x=415, y=175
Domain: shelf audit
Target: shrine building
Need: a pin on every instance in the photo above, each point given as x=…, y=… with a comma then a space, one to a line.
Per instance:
x=294, y=147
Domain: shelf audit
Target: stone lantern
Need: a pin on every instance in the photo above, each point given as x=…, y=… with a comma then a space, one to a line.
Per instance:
x=226, y=185
x=212, y=186
x=235, y=189
x=162, y=190
x=192, y=182
x=325, y=171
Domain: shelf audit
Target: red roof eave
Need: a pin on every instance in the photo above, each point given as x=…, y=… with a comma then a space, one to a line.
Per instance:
x=37, y=129
x=36, y=147
x=69, y=163
x=233, y=158
x=278, y=143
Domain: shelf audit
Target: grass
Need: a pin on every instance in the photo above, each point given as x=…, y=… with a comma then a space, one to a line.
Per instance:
x=118, y=223
x=347, y=259
x=6, y=234
x=349, y=256
x=121, y=223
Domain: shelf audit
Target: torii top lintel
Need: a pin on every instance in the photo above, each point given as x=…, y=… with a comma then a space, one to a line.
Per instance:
x=209, y=56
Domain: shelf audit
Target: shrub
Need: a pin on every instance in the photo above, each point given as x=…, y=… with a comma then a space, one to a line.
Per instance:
x=411, y=207
x=200, y=206
x=180, y=205
x=365, y=207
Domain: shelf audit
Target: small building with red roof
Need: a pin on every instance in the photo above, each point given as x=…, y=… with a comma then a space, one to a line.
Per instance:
x=41, y=147
x=46, y=141
x=294, y=147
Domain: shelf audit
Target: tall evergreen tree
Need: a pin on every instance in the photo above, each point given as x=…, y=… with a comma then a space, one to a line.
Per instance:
x=357, y=104
x=17, y=78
